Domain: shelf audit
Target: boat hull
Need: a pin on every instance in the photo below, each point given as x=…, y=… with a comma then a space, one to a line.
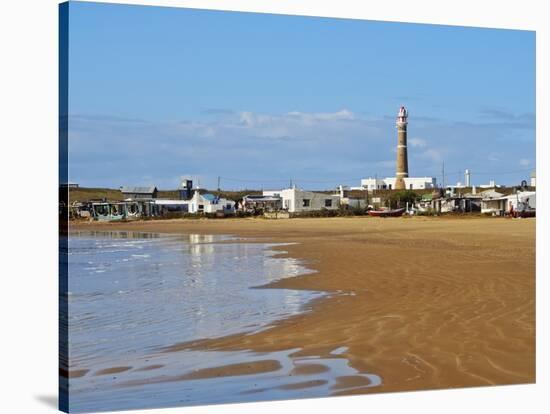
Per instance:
x=387, y=213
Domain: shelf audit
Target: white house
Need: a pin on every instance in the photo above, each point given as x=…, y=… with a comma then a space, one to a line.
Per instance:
x=533, y=179
x=296, y=200
x=522, y=200
x=199, y=203
x=388, y=183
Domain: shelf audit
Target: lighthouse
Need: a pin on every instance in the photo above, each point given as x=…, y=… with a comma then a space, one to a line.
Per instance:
x=402, y=167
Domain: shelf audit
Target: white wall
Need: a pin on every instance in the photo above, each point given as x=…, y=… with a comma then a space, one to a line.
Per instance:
x=208, y=207
x=293, y=200
x=417, y=183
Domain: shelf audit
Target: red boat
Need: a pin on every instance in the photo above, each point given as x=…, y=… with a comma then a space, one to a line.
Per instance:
x=387, y=213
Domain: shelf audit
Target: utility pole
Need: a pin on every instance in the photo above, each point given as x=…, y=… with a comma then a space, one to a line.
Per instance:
x=219, y=178
x=443, y=175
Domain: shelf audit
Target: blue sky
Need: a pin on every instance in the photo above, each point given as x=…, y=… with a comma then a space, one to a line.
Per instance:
x=156, y=93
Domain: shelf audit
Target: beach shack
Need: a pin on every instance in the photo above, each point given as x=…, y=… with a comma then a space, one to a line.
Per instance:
x=492, y=202
x=135, y=193
x=262, y=203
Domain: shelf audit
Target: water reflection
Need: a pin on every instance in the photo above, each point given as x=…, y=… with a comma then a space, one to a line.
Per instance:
x=212, y=377
x=131, y=293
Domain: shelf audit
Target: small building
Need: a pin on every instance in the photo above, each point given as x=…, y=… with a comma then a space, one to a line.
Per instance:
x=492, y=202
x=295, y=200
x=520, y=201
x=533, y=182
x=388, y=183
x=135, y=193
x=210, y=203
x=262, y=203
x=199, y=203
x=425, y=203
x=347, y=200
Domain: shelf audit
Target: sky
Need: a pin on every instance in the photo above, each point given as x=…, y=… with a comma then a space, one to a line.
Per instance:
x=258, y=100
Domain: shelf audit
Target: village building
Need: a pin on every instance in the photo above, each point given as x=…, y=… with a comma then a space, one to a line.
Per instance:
x=457, y=204
x=134, y=193
x=295, y=200
x=492, y=202
x=533, y=181
x=388, y=183
x=519, y=202
x=262, y=203
x=199, y=203
x=346, y=198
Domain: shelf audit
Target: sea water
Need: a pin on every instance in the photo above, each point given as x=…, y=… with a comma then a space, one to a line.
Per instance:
x=132, y=294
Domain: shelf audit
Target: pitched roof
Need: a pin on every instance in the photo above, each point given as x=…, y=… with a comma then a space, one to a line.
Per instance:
x=490, y=194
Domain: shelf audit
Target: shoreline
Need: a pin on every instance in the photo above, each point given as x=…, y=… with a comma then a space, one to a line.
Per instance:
x=425, y=303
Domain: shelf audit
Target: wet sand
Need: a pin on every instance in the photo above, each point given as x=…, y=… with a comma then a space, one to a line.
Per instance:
x=424, y=303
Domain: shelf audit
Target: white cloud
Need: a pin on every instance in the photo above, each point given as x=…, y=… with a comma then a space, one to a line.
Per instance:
x=342, y=115
x=433, y=155
x=418, y=142
x=300, y=125
x=493, y=156
x=303, y=145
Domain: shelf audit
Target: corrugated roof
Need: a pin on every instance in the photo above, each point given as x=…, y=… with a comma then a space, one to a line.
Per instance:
x=138, y=190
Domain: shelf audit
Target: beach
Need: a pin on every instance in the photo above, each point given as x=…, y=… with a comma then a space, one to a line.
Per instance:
x=423, y=302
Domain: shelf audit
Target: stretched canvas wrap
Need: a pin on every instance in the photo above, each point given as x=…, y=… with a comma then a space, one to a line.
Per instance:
x=258, y=207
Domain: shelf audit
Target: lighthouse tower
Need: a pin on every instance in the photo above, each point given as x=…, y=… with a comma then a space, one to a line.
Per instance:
x=402, y=167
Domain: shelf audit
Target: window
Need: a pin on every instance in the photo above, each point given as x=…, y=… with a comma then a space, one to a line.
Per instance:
x=305, y=202
x=410, y=186
x=328, y=202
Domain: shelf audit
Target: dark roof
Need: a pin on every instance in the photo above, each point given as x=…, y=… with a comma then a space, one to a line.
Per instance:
x=138, y=190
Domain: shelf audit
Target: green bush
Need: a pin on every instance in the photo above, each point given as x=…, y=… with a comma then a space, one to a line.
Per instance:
x=401, y=198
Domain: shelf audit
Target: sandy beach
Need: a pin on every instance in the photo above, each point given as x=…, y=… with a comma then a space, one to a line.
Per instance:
x=424, y=303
